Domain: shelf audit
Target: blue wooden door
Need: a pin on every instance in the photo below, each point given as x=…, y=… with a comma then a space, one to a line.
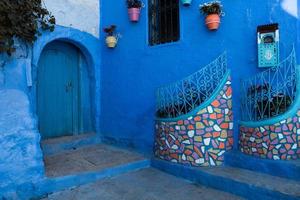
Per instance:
x=58, y=90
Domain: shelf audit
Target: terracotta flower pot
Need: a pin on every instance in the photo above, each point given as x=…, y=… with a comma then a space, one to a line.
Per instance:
x=186, y=2
x=212, y=21
x=111, y=41
x=134, y=14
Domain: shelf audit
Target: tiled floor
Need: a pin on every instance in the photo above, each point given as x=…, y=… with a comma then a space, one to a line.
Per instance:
x=86, y=159
x=146, y=184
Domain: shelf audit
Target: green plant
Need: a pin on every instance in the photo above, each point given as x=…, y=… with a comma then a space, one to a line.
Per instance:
x=22, y=19
x=214, y=7
x=110, y=31
x=134, y=3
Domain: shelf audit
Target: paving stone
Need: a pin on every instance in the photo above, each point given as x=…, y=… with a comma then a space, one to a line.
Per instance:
x=91, y=158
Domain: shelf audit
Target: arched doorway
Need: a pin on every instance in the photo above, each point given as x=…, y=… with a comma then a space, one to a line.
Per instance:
x=63, y=91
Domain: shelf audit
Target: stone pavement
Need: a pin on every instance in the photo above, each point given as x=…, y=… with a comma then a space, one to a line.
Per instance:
x=87, y=159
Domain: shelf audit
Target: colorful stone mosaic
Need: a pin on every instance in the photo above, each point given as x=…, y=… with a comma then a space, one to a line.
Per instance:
x=280, y=141
x=200, y=139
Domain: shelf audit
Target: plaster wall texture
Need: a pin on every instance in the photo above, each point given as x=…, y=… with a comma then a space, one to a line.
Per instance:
x=21, y=156
x=79, y=14
x=132, y=72
x=298, y=28
x=21, y=161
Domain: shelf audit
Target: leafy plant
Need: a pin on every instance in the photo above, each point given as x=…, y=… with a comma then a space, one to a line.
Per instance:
x=134, y=3
x=214, y=7
x=22, y=19
x=278, y=104
x=110, y=30
x=268, y=105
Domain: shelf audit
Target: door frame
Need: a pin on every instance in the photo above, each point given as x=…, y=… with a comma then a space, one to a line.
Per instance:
x=89, y=48
x=72, y=99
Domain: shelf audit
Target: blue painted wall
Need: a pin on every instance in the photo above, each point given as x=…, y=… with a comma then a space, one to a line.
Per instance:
x=298, y=38
x=21, y=163
x=132, y=71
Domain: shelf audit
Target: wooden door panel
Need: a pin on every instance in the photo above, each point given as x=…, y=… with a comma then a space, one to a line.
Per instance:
x=57, y=91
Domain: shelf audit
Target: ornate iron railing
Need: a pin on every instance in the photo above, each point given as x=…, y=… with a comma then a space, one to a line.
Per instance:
x=271, y=92
x=183, y=96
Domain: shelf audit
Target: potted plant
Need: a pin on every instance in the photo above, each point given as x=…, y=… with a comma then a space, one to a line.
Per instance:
x=134, y=9
x=186, y=2
x=111, y=38
x=213, y=11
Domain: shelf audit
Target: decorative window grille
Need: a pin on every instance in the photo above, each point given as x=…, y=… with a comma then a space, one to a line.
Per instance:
x=163, y=21
x=271, y=92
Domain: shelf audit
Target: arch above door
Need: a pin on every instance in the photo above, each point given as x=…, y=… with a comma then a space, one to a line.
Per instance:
x=90, y=48
x=63, y=92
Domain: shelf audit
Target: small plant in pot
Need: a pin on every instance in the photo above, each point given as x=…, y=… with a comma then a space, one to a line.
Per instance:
x=111, y=38
x=134, y=9
x=213, y=12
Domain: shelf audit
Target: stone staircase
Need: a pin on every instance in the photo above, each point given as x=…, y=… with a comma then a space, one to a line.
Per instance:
x=74, y=161
x=78, y=160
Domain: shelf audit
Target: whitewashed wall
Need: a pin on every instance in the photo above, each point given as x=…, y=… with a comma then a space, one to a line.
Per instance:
x=290, y=6
x=79, y=14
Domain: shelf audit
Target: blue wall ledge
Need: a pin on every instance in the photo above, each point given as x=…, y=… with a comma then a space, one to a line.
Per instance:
x=232, y=185
x=282, y=168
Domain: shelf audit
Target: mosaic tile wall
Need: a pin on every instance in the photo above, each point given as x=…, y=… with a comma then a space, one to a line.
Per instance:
x=200, y=139
x=280, y=141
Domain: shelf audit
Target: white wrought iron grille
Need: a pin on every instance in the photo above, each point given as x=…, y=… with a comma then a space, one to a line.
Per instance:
x=271, y=92
x=183, y=96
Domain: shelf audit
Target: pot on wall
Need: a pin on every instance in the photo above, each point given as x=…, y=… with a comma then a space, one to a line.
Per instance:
x=111, y=41
x=213, y=21
x=134, y=14
x=186, y=2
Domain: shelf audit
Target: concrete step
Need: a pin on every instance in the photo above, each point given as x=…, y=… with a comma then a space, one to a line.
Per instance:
x=286, y=169
x=89, y=158
x=75, y=167
x=145, y=184
x=238, y=181
x=57, y=145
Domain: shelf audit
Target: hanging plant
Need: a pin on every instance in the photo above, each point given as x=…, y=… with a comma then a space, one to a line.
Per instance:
x=24, y=20
x=111, y=37
x=213, y=11
x=134, y=9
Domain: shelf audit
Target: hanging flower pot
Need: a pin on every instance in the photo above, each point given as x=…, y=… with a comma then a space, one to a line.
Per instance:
x=213, y=11
x=134, y=9
x=212, y=21
x=134, y=14
x=111, y=39
x=186, y=2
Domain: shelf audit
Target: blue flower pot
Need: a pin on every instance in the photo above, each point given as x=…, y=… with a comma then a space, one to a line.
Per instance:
x=186, y=2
